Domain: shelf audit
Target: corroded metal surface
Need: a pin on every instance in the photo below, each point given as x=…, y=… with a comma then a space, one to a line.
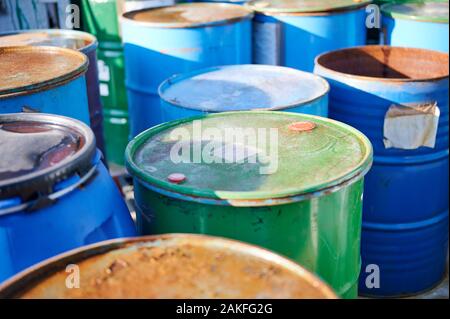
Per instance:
x=170, y=266
x=189, y=15
x=28, y=69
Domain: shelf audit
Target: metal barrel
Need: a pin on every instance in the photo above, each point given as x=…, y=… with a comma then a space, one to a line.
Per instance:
x=293, y=33
x=169, y=267
x=52, y=80
x=243, y=88
x=76, y=40
x=40, y=211
x=398, y=97
x=166, y=41
x=417, y=24
x=242, y=175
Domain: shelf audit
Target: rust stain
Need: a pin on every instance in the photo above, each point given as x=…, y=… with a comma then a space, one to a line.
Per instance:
x=183, y=266
x=26, y=68
x=387, y=63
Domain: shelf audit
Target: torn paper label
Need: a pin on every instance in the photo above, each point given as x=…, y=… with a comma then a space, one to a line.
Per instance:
x=411, y=126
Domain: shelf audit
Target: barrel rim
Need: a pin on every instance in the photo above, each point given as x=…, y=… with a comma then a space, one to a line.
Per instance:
x=319, y=66
x=386, y=9
x=298, y=11
x=47, y=84
x=16, y=285
x=91, y=46
x=126, y=17
x=255, y=198
x=177, y=78
x=47, y=177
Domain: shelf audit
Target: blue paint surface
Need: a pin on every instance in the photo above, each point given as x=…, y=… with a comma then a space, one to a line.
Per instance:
x=152, y=54
x=243, y=87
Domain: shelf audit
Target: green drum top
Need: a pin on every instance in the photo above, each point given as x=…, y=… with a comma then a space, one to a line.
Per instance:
x=430, y=11
x=304, y=6
x=249, y=155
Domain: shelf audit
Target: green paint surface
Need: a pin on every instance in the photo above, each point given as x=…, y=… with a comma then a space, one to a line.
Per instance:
x=320, y=230
x=429, y=11
x=301, y=162
x=298, y=6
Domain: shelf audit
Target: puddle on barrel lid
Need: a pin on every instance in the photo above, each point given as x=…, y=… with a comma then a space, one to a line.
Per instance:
x=30, y=146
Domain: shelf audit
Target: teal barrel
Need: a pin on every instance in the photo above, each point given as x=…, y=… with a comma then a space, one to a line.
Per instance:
x=289, y=182
x=243, y=88
x=420, y=24
x=165, y=41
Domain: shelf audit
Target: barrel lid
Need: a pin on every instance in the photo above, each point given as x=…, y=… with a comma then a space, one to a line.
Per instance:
x=187, y=15
x=27, y=69
x=70, y=39
x=169, y=266
x=222, y=156
x=243, y=87
x=304, y=6
x=39, y=150
x=429, y=11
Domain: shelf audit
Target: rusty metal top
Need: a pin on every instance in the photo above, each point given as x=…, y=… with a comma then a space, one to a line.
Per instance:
x=70, y=39
x=385, y=63
x=26, y=69
x=169, y=266
x=189, y=15
x=304, y=6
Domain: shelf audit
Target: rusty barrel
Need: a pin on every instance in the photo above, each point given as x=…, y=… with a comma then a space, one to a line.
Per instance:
x=44, y=79
x=76, y=40
x=169, y=266
x=398, y=97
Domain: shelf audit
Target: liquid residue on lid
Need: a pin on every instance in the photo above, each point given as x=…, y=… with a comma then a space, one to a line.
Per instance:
x=250, y=155
x=304, y=6
x=243, y=87
x=27, y=68
x=190, y=14
x=32, y=146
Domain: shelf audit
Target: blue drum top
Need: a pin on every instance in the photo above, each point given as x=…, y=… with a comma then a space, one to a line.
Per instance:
x=243, y=87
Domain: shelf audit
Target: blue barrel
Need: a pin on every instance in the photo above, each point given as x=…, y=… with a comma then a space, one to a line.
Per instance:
x=44, y=79
x=165, y=41
x=75, y=40
x=243, y=88
x=293, y=33
x=398, y=97
x=55, y=193
x=418, y=25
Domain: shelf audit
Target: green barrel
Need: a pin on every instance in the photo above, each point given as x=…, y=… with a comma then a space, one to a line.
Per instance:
x=289, y=182
x=101, y=19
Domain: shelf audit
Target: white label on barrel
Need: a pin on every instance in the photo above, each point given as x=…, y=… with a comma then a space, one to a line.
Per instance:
x=411, y=126
x=266, y=43
x=104, y=89
x=103, y=71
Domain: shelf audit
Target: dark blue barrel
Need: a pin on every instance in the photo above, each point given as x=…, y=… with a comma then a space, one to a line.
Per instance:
x=55, y=193
x=398, y=97
x=418, y=24
x=71, y=39
x=243, y=88
x=44, y=79
x=292, y=33
x=165, y=41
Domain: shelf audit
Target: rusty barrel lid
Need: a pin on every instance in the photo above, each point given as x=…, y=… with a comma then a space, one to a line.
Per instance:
x=70, y=39
x=249, y=158
x=28, y=69
x=304, y=6
x=243, y=87
x=169, y=266
x=188, y=15
x=428, y=11
x=39, y=150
